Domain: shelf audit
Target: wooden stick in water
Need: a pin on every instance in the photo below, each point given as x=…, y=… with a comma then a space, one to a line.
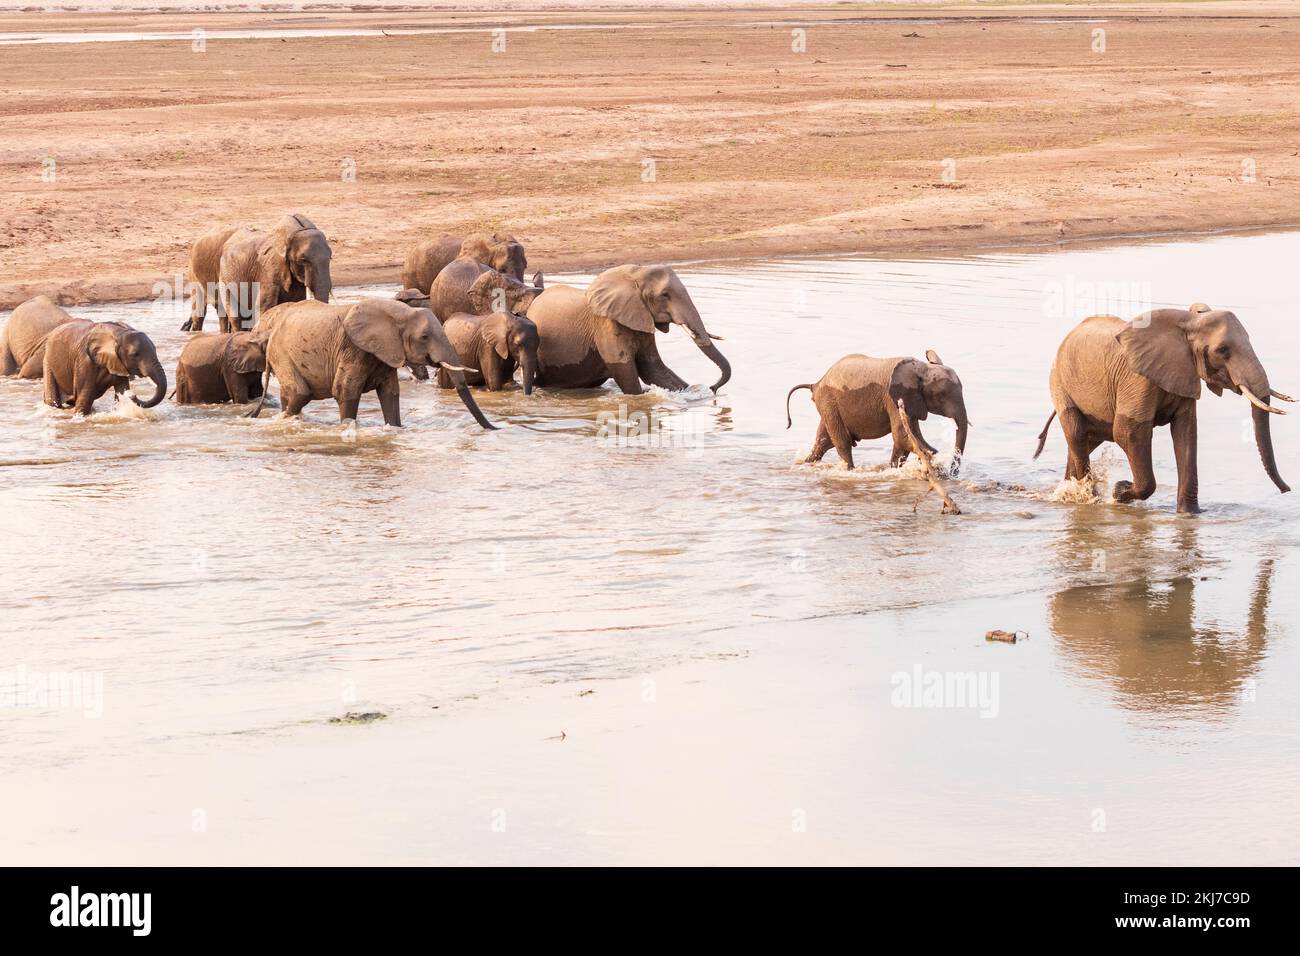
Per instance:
x=949, y=506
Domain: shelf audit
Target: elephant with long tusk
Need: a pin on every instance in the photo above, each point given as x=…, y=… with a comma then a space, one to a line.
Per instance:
x=318, y=351
x=1117, y=381
x=608, y=331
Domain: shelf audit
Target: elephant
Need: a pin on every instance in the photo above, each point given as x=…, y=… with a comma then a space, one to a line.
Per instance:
x=22, y=341
x=320, y=351
x=496, y=345
x=221, y=368
x=84, y=359
x=500, y=251
x=858, y=399
x=608, y=331
x=245, y=271
x=1117, y=381
x=466, y=285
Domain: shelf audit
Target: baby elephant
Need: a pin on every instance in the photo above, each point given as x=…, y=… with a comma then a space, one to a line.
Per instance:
x=221, y=368
x=495, y=344
x=84, y=359
x=858, y=399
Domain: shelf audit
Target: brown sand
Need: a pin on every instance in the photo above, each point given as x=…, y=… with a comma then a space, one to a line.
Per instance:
x=758, y=150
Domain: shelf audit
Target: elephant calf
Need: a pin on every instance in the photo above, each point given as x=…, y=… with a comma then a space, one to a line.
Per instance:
x=319, y=351
x=22, y=342
x=499, y=251
x=496, y=345
x=858, y=398
x=467, y=285
x=84, y=359
x=220, y=368
x=608, y=331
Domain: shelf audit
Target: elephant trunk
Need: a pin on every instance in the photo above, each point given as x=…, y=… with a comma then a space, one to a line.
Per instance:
x=458, y=379
x=159, y=378
x=528, y=370
x=1252, y=380
x=960, y=449
x=1264, y=442
x=720, y=360
x=320, y=286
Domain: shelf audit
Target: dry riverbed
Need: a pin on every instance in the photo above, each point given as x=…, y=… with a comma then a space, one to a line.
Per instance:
x=660, y=135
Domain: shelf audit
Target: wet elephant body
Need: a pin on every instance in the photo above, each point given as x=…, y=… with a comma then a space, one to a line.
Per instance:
x=495, y=345
x=608, y=331
x=22, y=341
x=220, y=368
x=858, y=398
x=1118, y=381
x=84, y=359
x=318, y=351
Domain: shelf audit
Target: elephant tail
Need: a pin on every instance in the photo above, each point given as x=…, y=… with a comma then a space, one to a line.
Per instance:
x=1042, y=436
x=266, y=385
x=788, y=421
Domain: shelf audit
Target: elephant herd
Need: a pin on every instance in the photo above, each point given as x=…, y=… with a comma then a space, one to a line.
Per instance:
x=467, y=311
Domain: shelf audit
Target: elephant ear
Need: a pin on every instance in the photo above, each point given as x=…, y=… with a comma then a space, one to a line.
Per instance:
x=1156, y=347
x=372, y=329
x=273, y=259
x=478, y=246
x=932, y=357
x=244, y=353
x=906, y=384
x=486, y=293
x=494, y=333
x=101, y=348
x=615, y=294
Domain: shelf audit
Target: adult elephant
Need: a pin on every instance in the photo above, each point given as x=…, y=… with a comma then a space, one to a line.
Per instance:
x=84, y=359
x=1117, y=381
x=608, y=331
x=858, y=399
x=467, y=285
x=497, y=250
x=245, y=272
x=496, y=345
x=22, y=341
x=318, y=351
x=221, y=368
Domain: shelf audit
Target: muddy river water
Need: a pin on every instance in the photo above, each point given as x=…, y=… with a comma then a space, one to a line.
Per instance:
x=224, y=576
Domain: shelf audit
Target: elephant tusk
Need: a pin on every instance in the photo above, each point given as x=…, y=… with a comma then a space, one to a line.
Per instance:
x=457, y=368
x=716, y=338
x=1258, y=404
x=1278, y=395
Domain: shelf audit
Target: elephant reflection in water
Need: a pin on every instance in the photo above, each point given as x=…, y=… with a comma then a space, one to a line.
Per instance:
x=1142, y=638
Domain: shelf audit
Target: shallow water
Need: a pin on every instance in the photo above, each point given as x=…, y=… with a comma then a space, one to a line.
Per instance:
x=227, y=575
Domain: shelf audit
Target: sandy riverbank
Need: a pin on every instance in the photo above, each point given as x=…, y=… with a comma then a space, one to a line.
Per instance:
x=756, y=149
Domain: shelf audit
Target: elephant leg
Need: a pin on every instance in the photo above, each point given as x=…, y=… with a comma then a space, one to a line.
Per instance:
x=1075, y=429
x=1134, y=438
x=840, y=438
x=34, y=367
x=625, y=376
x=8, y=364
x=916, y=430
x=389, y=393
x=53, y=396
x=348, y=405
x=198, y=307
x=821, y=445
x=652, y=369
x=1183, y=429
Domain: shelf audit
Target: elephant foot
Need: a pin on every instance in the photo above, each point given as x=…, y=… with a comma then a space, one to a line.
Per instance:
x=1123, y=491
x=1189, y=507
